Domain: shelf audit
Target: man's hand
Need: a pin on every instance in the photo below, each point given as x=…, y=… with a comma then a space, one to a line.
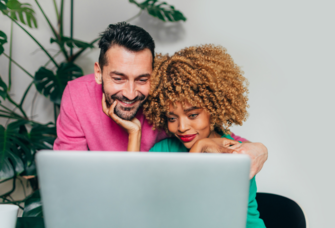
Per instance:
x=133, y=127
x=256, y=151
x=258, y=154
x=214, y=145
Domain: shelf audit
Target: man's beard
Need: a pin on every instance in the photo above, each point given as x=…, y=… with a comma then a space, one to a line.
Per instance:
x=126, y=113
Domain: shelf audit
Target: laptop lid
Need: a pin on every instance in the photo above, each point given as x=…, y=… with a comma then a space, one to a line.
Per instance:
x=143, y=190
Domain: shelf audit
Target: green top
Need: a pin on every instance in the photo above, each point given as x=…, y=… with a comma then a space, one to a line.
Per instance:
x=174, y=145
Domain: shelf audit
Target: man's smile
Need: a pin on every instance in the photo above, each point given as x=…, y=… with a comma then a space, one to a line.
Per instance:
x=128, y=103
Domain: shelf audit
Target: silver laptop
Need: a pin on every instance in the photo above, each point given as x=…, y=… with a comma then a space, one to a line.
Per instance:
x=143, y=190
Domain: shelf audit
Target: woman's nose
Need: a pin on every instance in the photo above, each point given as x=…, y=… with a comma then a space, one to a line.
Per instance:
x=183, y=125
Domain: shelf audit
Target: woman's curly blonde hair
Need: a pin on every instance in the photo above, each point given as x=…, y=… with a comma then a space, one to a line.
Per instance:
x=204, y=76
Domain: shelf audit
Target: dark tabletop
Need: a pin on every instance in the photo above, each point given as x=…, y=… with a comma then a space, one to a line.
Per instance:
x=30, y=222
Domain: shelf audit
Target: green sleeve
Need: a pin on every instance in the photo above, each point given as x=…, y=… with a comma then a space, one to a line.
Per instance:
x=169, y=145
x=253, y=220
x=173, y=145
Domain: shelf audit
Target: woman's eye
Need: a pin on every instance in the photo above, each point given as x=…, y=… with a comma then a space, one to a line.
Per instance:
x=192, y=116
x=171, y=119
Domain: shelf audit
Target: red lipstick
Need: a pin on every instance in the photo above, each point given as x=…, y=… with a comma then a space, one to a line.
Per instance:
x=187, y=138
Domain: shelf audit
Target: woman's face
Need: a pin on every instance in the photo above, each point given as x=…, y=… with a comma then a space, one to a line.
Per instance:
x=189, y=124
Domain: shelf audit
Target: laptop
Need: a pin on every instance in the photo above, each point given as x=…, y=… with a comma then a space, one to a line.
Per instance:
x=143, y=190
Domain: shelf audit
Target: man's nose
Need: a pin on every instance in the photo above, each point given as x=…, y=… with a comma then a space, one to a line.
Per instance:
x=183, y=125
x=130, y=91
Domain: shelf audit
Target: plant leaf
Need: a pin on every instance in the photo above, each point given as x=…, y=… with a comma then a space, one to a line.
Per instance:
x=3, y=89
x=161, y=10
x=33, y=205
x=7, y=171
x=41, y=136
x=72, y=42
x=3, y=37
x=13, y=143
x=17, y=11
x=51, y=85
x=3, y=5
x=3, y=40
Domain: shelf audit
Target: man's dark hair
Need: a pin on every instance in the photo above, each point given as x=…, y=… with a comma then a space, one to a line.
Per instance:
x=125, y=35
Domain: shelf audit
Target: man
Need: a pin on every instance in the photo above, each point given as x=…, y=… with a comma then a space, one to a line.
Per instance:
x=125, y=65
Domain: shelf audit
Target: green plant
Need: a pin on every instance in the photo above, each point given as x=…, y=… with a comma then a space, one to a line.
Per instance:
x=21, y=137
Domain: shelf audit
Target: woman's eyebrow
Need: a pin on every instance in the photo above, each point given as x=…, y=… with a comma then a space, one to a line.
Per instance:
x=171, y=113
x=191, y=109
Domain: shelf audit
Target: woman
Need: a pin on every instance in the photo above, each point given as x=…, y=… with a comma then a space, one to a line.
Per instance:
x=196, y=95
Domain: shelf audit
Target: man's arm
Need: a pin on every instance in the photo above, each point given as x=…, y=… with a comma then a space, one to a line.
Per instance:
x=70, y=135
x=257, y=151
x=258, y=154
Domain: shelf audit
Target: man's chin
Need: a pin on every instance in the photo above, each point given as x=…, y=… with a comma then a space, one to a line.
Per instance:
x=125, y=114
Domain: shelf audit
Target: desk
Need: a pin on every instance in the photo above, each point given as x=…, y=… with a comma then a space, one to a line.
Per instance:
x=30, y=222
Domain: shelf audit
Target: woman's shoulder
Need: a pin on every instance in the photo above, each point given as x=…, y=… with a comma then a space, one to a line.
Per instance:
x=227, y=136
x=169, y=145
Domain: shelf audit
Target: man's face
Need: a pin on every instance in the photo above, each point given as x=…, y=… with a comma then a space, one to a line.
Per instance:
x=125, y=79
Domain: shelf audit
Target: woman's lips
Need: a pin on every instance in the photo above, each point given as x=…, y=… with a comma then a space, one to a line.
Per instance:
x=187, y=138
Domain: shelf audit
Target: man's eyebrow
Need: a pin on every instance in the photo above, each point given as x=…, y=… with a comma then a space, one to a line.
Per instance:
x=143, y=75
x=191, y=109
x=117, y=73
x=122, y=74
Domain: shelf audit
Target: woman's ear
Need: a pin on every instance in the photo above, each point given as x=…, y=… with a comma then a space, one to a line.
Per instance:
x=97, y=73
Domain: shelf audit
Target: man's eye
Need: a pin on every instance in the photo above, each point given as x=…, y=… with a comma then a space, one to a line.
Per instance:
x=143, y=80
x=117, y=79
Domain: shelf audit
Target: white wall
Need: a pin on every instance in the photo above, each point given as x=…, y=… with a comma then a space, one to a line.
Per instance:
x=286, y=49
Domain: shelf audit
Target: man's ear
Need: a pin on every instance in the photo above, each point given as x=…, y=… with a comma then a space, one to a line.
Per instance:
x=97, y=73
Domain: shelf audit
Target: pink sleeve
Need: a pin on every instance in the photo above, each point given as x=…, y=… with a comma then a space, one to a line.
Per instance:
x=238, y=138
x=70, y=135
x=161, y=135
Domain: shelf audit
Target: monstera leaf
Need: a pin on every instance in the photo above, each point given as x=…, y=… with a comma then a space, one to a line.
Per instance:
x=161, y=10
x=33, y=205
x=3, y=40
x=13, y=143
x=51, y=85
x=71, y=42
x=3, y=89
x=3, y=5
x=11, y=167
x=41, y=137
x=20, y=11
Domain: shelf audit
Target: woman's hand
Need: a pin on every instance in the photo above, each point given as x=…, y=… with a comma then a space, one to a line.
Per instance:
x=133, y=127
x=215, y=145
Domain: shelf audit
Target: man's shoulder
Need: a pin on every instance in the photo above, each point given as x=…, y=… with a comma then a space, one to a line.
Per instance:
x=83, y=86
x=82, y=91
x=81, y=81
